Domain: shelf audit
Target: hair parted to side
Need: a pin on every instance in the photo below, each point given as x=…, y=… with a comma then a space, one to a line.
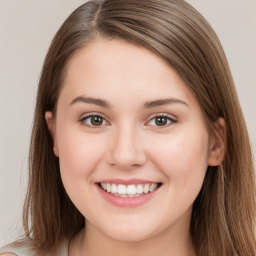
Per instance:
x=223, y=218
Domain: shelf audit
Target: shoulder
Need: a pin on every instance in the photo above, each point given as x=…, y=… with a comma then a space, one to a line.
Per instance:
x=20, y=248
x=25, y=248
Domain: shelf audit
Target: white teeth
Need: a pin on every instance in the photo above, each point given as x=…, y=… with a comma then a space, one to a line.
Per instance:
x=130, y=190
x=153, y=187
x=114, y=188
x=139, y=189
x=146, y=188
x=121, y=189
x=104, y=186
x=108, y=187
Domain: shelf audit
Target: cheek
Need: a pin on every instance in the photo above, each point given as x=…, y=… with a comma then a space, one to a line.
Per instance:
x=79, y=156
x=79, y=153
x=183, y=158
x=183, y=161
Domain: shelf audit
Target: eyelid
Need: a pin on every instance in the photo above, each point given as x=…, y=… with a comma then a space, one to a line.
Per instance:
x=87, y=115
x=171, y=117
x=90, y=114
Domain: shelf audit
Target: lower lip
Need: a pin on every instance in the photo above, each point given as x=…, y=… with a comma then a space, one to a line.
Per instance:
x=127, y=201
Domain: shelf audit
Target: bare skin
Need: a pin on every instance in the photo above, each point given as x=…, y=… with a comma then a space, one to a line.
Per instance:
x=124, y=113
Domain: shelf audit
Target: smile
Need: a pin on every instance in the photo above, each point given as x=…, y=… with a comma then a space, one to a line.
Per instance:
x=128, y=193
x=132, y=190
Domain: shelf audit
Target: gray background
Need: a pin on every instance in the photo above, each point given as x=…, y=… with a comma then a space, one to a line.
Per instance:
x=26, y=29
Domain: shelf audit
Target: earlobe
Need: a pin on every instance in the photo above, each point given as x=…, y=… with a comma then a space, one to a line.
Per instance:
x=217, y=148
x=50, y=124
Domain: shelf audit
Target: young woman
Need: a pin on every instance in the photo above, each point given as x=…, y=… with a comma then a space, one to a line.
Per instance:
x=139, y=145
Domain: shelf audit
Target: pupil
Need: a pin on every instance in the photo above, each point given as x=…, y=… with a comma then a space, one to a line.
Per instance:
x=161, y=121
x=97, y=120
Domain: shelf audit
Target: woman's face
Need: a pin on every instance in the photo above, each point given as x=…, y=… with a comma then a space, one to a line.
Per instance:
x=131, y=140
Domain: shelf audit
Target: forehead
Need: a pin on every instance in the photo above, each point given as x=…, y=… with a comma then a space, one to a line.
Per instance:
x=116, y=67
x=103, y=55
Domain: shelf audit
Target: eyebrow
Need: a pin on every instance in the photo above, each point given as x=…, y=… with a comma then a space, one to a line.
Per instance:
x=148, y=104
x=89, y=100
x=161, y=102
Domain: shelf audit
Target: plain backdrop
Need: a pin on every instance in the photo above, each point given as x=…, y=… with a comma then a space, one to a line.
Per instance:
x=26, y=30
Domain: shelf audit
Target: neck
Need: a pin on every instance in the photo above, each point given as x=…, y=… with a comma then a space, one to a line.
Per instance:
x=90, y=241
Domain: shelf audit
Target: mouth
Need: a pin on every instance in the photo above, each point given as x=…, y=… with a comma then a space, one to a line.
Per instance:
x=131, y=190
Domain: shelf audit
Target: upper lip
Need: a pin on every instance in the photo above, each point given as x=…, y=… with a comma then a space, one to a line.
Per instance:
x=128, y=181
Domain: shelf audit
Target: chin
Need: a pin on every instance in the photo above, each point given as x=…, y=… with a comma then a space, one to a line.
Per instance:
x=130, y=236
x=129, y=232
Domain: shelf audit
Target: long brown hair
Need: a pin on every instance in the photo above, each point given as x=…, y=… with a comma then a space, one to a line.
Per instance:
x=223, y=218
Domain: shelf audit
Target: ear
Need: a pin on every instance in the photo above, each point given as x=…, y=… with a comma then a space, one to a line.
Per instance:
x=217, y=147
x=51, y=127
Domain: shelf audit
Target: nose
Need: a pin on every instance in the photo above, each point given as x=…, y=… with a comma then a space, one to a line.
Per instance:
x=126, y=148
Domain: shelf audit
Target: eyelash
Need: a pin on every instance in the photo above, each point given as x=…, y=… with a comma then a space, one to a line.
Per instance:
x=170, y=120
x=83, y=120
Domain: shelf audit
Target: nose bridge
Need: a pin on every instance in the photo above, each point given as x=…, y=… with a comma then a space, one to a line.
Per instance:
x=127, y=148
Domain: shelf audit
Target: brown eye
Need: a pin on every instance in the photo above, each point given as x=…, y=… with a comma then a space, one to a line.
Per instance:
x=161, y=121
x=93, y=120
x=97, y=120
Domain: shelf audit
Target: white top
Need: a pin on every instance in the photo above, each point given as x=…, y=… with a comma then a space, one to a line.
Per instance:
x=24, y=249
